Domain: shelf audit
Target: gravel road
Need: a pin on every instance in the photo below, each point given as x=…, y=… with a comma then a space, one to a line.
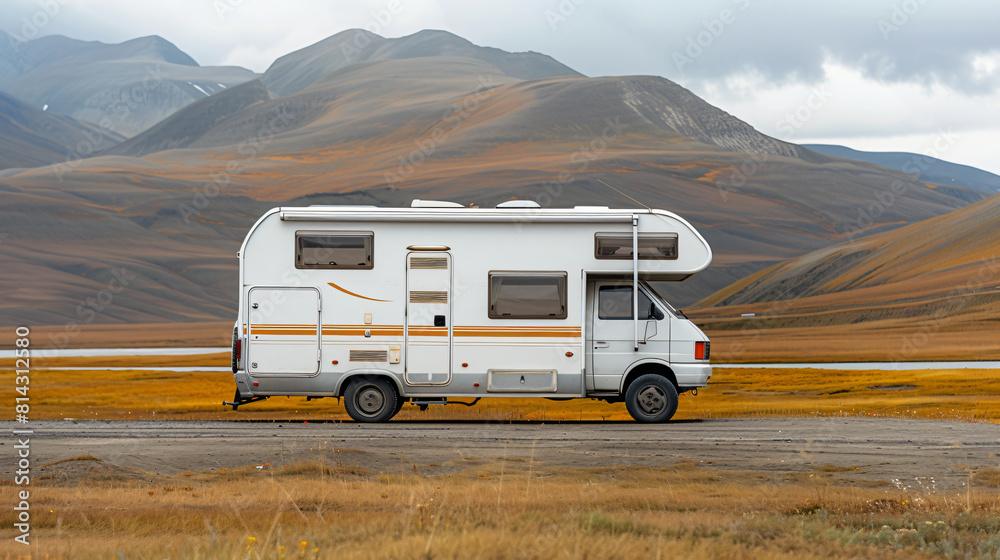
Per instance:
x=882, y=449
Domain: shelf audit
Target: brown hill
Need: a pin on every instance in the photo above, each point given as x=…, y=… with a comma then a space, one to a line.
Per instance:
x=174, y=203
x=928, y=290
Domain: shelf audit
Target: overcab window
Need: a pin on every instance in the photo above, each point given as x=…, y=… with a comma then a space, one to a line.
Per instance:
x=328, y=250
x=651, y=246
x=527, y=295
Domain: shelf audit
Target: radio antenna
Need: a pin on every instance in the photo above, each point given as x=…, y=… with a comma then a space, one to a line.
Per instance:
x=623, y=194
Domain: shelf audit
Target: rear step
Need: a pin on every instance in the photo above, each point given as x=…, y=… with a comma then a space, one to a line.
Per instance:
x=239, y=399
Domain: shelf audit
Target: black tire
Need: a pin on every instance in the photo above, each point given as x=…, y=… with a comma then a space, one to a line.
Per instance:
x=651, y=398
x=400, y=401
x=371, y=400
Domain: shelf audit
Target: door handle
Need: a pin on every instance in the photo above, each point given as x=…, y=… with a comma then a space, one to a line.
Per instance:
x=602, y=345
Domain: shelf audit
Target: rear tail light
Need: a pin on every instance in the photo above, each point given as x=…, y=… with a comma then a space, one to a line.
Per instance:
x=702, y=350
x=239, y=349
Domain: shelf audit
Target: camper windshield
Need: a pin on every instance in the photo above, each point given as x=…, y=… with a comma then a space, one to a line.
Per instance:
x=659, y=298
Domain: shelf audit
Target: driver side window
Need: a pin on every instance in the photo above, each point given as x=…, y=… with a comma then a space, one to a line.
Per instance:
x=615, y=303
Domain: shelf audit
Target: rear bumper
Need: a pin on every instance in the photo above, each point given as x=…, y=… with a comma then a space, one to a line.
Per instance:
x=691, y=375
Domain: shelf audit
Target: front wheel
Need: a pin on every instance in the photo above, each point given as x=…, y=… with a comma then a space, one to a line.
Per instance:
x=651, y=398
x=371, y=400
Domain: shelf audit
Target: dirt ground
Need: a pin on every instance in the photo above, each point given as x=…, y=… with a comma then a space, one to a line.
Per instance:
x=858, y=449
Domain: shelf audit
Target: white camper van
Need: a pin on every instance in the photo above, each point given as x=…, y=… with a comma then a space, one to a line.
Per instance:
x=384, y=306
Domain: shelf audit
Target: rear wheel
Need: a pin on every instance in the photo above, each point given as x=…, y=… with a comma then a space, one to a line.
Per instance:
x=651, y=398
x=371, y=400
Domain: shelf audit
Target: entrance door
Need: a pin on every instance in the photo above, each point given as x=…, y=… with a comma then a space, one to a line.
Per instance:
x=284, y=331
x=428, y=330
x=612, y=348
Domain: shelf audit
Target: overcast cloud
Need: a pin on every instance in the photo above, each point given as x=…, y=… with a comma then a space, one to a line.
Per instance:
x=871, y=74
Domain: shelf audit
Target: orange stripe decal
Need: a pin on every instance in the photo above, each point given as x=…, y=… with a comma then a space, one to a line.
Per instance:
x=421, y=330
x=350, y=293
x=285, y=332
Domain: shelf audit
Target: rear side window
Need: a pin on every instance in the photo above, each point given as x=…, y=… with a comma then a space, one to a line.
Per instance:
x=658, y=246
x=333, y=250
x=527, y=295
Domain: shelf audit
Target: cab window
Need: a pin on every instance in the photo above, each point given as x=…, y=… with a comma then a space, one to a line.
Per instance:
x=615, y=303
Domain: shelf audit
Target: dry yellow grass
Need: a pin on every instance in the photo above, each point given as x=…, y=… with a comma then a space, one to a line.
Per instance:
x=963, y=394
x=769, y=339
x=502, y=509
x=39, y=361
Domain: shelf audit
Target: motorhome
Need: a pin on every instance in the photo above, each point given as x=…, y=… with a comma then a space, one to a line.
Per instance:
x=389, y=306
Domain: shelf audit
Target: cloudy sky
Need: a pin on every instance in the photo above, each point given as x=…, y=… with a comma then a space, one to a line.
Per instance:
x=882, y=75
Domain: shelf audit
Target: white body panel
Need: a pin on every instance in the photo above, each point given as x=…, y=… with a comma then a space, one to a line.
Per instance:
x=420, y=314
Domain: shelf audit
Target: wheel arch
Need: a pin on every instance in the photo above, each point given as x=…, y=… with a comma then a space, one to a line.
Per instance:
x=655, y=367
x=366, y=373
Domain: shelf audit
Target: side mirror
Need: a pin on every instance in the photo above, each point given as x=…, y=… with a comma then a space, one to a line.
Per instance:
x=650, y=330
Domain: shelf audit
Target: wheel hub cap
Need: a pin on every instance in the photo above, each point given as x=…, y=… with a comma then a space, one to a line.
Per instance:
x=370, y=400
x=651, y=399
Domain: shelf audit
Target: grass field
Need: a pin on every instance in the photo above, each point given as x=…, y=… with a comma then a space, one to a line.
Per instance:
x=962, y=394
x=511, y=508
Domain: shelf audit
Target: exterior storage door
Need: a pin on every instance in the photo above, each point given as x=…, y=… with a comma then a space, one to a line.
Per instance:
x=284, y=331
x=428, y=329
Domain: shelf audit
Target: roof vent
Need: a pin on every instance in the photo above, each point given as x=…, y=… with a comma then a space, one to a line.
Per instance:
x=518, y=204
x=417, y=203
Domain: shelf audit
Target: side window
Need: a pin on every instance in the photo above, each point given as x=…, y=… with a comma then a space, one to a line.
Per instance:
x=333, y=250
x=527, y=295
x=658, y=246
x=615, y=303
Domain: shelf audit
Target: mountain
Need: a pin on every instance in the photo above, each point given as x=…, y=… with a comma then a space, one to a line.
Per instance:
x=30, y=137
x=926, y=168
x=929, y=290
x=178, y=198
x=296, y=71
x=191, y=123
x=370, y=99
x=125, y=87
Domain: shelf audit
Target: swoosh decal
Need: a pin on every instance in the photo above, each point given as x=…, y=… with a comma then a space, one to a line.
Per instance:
x=356, y=295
